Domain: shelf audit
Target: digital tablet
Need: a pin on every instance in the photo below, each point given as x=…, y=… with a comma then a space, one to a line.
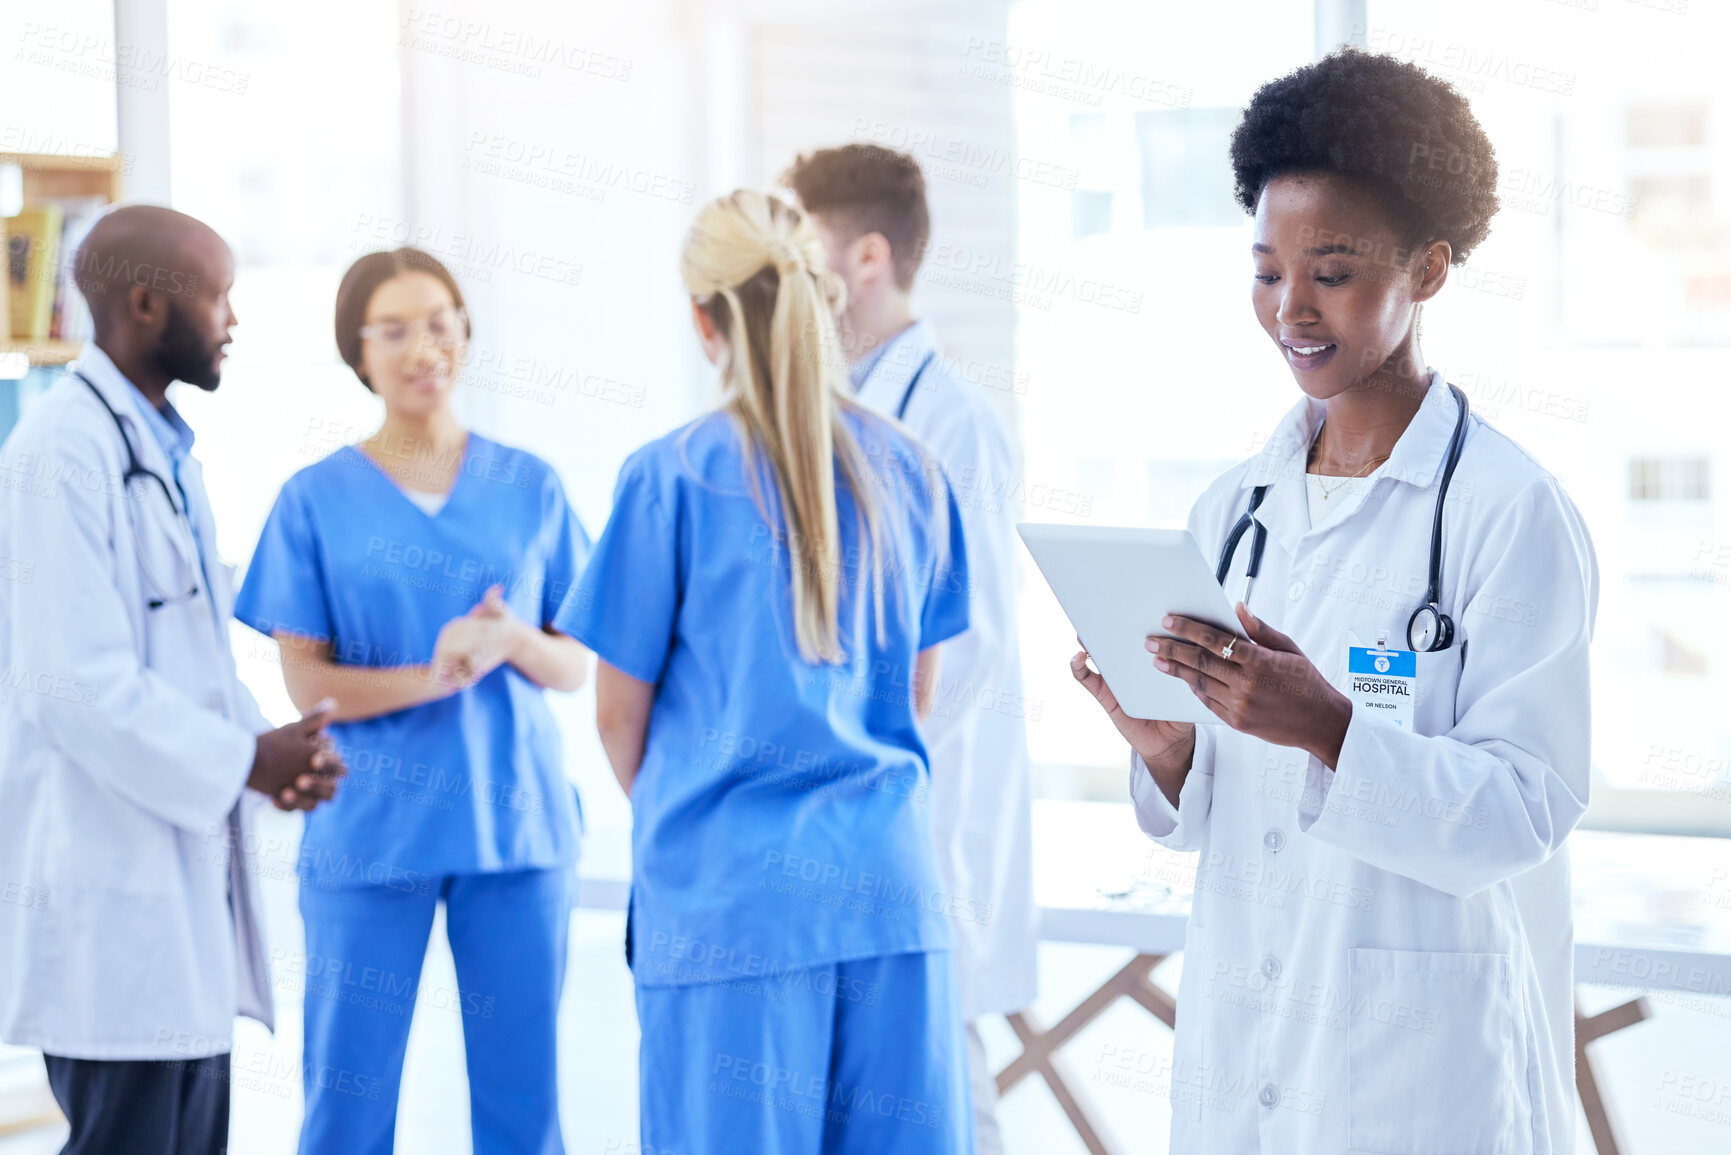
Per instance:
x=1115, y=585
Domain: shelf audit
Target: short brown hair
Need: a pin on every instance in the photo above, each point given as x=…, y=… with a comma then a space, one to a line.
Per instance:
x=868, y=189
x=363, y=280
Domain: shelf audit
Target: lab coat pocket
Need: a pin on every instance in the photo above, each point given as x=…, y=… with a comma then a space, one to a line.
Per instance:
x=1439, y=679
x=1432, y=1062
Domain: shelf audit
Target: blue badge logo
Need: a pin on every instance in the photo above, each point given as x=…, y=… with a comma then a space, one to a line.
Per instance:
x=1385, y=663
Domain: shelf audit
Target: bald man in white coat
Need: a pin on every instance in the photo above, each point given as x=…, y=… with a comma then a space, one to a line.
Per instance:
x=128, y=744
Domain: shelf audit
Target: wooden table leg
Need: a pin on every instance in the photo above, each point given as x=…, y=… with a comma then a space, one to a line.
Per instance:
x=1040, y=1050
x=1040, y=1047
x=1588, y=1028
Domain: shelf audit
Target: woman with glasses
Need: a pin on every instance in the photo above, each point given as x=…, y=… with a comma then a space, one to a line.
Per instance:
x=413, y=578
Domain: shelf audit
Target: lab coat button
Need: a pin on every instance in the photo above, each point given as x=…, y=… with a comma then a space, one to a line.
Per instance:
x=1274, y=840
x=1269, y=1096
x=1271, y=968
x=1295, y=590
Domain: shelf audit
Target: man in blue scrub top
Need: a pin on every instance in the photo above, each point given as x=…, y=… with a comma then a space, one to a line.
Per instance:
x=788, y=931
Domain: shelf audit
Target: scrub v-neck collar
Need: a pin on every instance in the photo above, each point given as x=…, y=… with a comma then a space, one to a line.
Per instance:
x=470, y=444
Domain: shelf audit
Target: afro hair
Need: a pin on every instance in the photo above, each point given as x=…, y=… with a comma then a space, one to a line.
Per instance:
x=1385, y=123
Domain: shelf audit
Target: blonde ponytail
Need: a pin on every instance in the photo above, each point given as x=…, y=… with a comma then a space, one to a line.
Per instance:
x=756, y=266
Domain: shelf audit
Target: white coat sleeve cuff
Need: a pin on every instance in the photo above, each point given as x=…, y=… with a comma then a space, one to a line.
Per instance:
x=1364, y=786
x=1318, y=781
x=1178, y=827
x=251, y=716
x=208, y=809
x=1155, y=813
x=240, y=751
x=1319, y=776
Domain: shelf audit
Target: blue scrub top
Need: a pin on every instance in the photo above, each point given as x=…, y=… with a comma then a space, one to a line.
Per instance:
x=470, y=782
x=780, y=812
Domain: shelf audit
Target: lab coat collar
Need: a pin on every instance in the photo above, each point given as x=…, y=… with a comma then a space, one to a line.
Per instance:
x=1416, y=460
x=1417, y=456
x=124, y=398
x=166, y=425
x=897, y=362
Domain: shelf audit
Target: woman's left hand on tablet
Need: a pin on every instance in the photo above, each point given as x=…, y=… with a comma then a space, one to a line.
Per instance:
x=1267, y=688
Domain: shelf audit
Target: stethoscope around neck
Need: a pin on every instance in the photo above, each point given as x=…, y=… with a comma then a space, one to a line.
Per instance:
x=158, y=590
x=1429, y=629
x=913, y=383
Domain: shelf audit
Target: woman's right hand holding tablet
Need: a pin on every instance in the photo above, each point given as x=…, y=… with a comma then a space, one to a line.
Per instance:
x=1165, y=746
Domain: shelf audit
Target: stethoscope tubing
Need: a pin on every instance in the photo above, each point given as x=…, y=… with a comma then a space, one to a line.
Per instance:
x=1433, y=589
x=913, y=383
x=134, y=469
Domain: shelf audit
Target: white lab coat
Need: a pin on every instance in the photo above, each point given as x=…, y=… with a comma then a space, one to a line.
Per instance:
x=126, y=740
x=1379, y=956
x=976, y=736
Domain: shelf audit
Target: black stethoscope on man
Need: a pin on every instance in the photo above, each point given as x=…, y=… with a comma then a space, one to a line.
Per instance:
x=157, y=591
x=913, y=383
x=1429, y=629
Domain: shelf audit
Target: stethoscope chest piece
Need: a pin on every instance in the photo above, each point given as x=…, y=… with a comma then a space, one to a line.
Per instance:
x=1429, y=629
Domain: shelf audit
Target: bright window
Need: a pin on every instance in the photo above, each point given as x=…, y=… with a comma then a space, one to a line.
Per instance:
x=1135, y=336
x=1594, y=327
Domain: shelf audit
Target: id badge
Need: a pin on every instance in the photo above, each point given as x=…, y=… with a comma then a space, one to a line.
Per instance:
x=1383, y=682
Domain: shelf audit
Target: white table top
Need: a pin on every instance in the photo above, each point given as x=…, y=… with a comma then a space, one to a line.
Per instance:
x=1651, y=911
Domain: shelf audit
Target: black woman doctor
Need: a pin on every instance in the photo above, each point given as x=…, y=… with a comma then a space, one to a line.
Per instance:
x=1379, y=952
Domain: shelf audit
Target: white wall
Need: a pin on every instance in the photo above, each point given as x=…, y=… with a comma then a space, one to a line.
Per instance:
x=588, y=177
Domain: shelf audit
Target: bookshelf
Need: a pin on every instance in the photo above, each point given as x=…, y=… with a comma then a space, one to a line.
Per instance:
x=54, y=175
x=42, y=353
x=25, y=361
x=46, y=176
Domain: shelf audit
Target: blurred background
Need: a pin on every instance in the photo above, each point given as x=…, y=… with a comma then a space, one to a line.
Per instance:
x=1088, y=271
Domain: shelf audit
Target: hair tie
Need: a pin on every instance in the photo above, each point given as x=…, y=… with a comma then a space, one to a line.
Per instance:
x=786, y=258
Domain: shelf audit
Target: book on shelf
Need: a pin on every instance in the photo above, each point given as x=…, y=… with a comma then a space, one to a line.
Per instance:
x=71, y=320
x=43, y=302
x=32, y=273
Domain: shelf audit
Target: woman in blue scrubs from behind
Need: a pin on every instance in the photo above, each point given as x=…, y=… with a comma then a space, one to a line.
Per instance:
x=767, y=601
x=413, y=578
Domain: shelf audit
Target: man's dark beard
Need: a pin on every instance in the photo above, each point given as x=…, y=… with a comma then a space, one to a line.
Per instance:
x=183, y=355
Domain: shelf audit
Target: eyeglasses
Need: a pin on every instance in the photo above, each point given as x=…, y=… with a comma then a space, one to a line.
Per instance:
x=445, y=328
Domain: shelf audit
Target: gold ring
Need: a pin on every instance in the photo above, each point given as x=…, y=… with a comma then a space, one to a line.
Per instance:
x=1226, y=650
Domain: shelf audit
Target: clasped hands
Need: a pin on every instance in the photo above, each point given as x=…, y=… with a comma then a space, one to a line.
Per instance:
x=472, y=646
x=298, y=765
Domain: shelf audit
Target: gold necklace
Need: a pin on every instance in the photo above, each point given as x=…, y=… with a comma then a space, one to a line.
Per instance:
x=1327, y=492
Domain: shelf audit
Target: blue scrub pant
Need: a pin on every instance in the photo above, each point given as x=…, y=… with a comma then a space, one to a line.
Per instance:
x=509, y=934
x=852, y=1058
